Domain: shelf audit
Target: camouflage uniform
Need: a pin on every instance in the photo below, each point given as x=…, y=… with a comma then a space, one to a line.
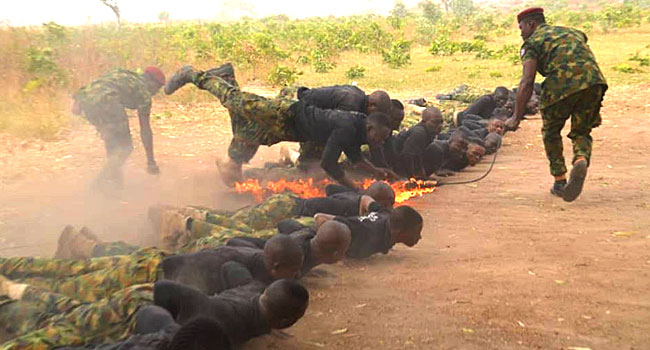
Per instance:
x=87, y=280
x=467, y=94
x=103, y=102
x=257, y=119
x=64, y=321
x=574, y=86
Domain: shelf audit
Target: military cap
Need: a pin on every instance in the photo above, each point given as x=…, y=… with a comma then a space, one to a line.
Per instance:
x=531, y=11
x=156, y=74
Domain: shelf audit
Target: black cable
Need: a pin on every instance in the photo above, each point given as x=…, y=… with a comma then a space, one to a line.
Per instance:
x=440, y=184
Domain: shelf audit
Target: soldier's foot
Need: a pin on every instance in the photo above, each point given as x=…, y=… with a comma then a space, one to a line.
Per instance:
x=63, y=245
x=11, y=289
x=230, y=171
x=225, y=71
x=82, y=247
x=576, y=181
x=558, y=188
x=179, y=79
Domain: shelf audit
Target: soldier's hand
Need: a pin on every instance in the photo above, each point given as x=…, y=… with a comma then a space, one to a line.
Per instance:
x=153, y=169
x=512, y=124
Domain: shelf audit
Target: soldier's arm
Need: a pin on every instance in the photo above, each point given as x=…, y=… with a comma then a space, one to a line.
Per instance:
x=523, y=93
x=147, y=137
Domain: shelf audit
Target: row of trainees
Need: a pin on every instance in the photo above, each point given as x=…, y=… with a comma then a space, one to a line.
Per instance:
x=333, y=120
x=230, y=279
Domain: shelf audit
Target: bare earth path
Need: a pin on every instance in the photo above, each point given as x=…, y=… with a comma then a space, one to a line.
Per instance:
x=502, y=264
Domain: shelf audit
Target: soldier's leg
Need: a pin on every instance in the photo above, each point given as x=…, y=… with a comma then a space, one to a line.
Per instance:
x=585, y=114
x=267, y=214
x=271, y=114
x=553, y=118
x=107, y=320
x=220, y=235
x=118, y=142
x=139, y=267
x=25, y=267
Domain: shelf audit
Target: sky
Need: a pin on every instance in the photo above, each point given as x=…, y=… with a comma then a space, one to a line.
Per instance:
x=79, y=12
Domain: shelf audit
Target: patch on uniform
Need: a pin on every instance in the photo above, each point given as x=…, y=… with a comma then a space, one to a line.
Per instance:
x=522, y=52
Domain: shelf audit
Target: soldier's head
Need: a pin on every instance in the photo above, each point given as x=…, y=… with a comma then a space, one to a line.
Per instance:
x=154, y=78
x=492, y=142
x=496, y=125
x=379, y=101
x=331, y=242
x=396, y=114
x=458, y=143
x=283, y=303
x=500, y=96
x=377, y=128
x=432, y=120
x=200, y=334
x=501, y=113
x=282, y=257
x=382, y=193
x=405, y=225
x=475, y=153
x=529, y=19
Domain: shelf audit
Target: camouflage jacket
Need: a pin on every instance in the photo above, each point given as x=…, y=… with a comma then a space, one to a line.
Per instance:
x=564, y=58
x=119, y=86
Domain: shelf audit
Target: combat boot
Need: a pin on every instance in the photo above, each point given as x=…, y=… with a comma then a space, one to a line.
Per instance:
x=576, y=181
x=230, y=172
x=11, y=289
x=82, y=247
x=63, y=245
x=558, y=188
x=180, y=78
x=225, y=72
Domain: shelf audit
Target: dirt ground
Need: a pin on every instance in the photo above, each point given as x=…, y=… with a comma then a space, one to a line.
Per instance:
x=502, y=264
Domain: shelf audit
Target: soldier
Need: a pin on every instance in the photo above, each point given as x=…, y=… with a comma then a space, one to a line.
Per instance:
x=103, y=102
x=574, y=87
x=286, y=120
x=486, y=104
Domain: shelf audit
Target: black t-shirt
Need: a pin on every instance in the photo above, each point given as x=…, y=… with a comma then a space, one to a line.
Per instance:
x=384, y=156
x=339, y=131
x=370, y=233
x=343, y=97
x=236, y=310
x=339, y=204
x=483, y=107
x=409, y=146
x=435, y=156
x=208, y=270
x=302, y=235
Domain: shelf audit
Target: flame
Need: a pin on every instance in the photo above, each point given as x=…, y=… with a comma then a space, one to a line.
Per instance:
x=308, y=188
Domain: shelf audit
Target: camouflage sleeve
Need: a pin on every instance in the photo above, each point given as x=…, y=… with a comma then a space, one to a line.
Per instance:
x=528, y=52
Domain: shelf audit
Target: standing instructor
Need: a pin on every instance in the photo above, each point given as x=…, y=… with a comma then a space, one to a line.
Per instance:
x=574, y=87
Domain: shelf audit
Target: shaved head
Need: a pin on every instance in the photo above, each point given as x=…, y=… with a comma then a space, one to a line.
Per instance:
x=382, y=193
x=283, y=257
x=331, y=242
x=283, y=303
x=379, y=101
x=432, y=119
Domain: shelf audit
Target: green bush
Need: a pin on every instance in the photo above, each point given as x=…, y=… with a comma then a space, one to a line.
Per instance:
x=442, y=46
x=399, y=54
x=283, y=76
x=625, y=68
x=356, y=72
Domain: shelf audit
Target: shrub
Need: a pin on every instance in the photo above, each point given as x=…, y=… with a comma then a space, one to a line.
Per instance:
x=625, y=68
x=399, y=54
x=283, y=75
x=356, y=72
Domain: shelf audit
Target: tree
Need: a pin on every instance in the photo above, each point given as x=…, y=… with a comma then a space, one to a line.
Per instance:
x=399, y=10
x=163, y=17
x=430, y=11
x=112, y=4
x=461, y=8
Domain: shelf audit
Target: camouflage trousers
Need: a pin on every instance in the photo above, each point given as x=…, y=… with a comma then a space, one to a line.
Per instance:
x=86, y=280
x=64, y=321
x=467, y=94
x=584, y=109
x=255, y=119
x=222, y=225
x=219, y=235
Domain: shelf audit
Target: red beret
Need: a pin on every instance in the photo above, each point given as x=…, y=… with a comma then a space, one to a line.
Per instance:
x=529, y=12
x=156, y=74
